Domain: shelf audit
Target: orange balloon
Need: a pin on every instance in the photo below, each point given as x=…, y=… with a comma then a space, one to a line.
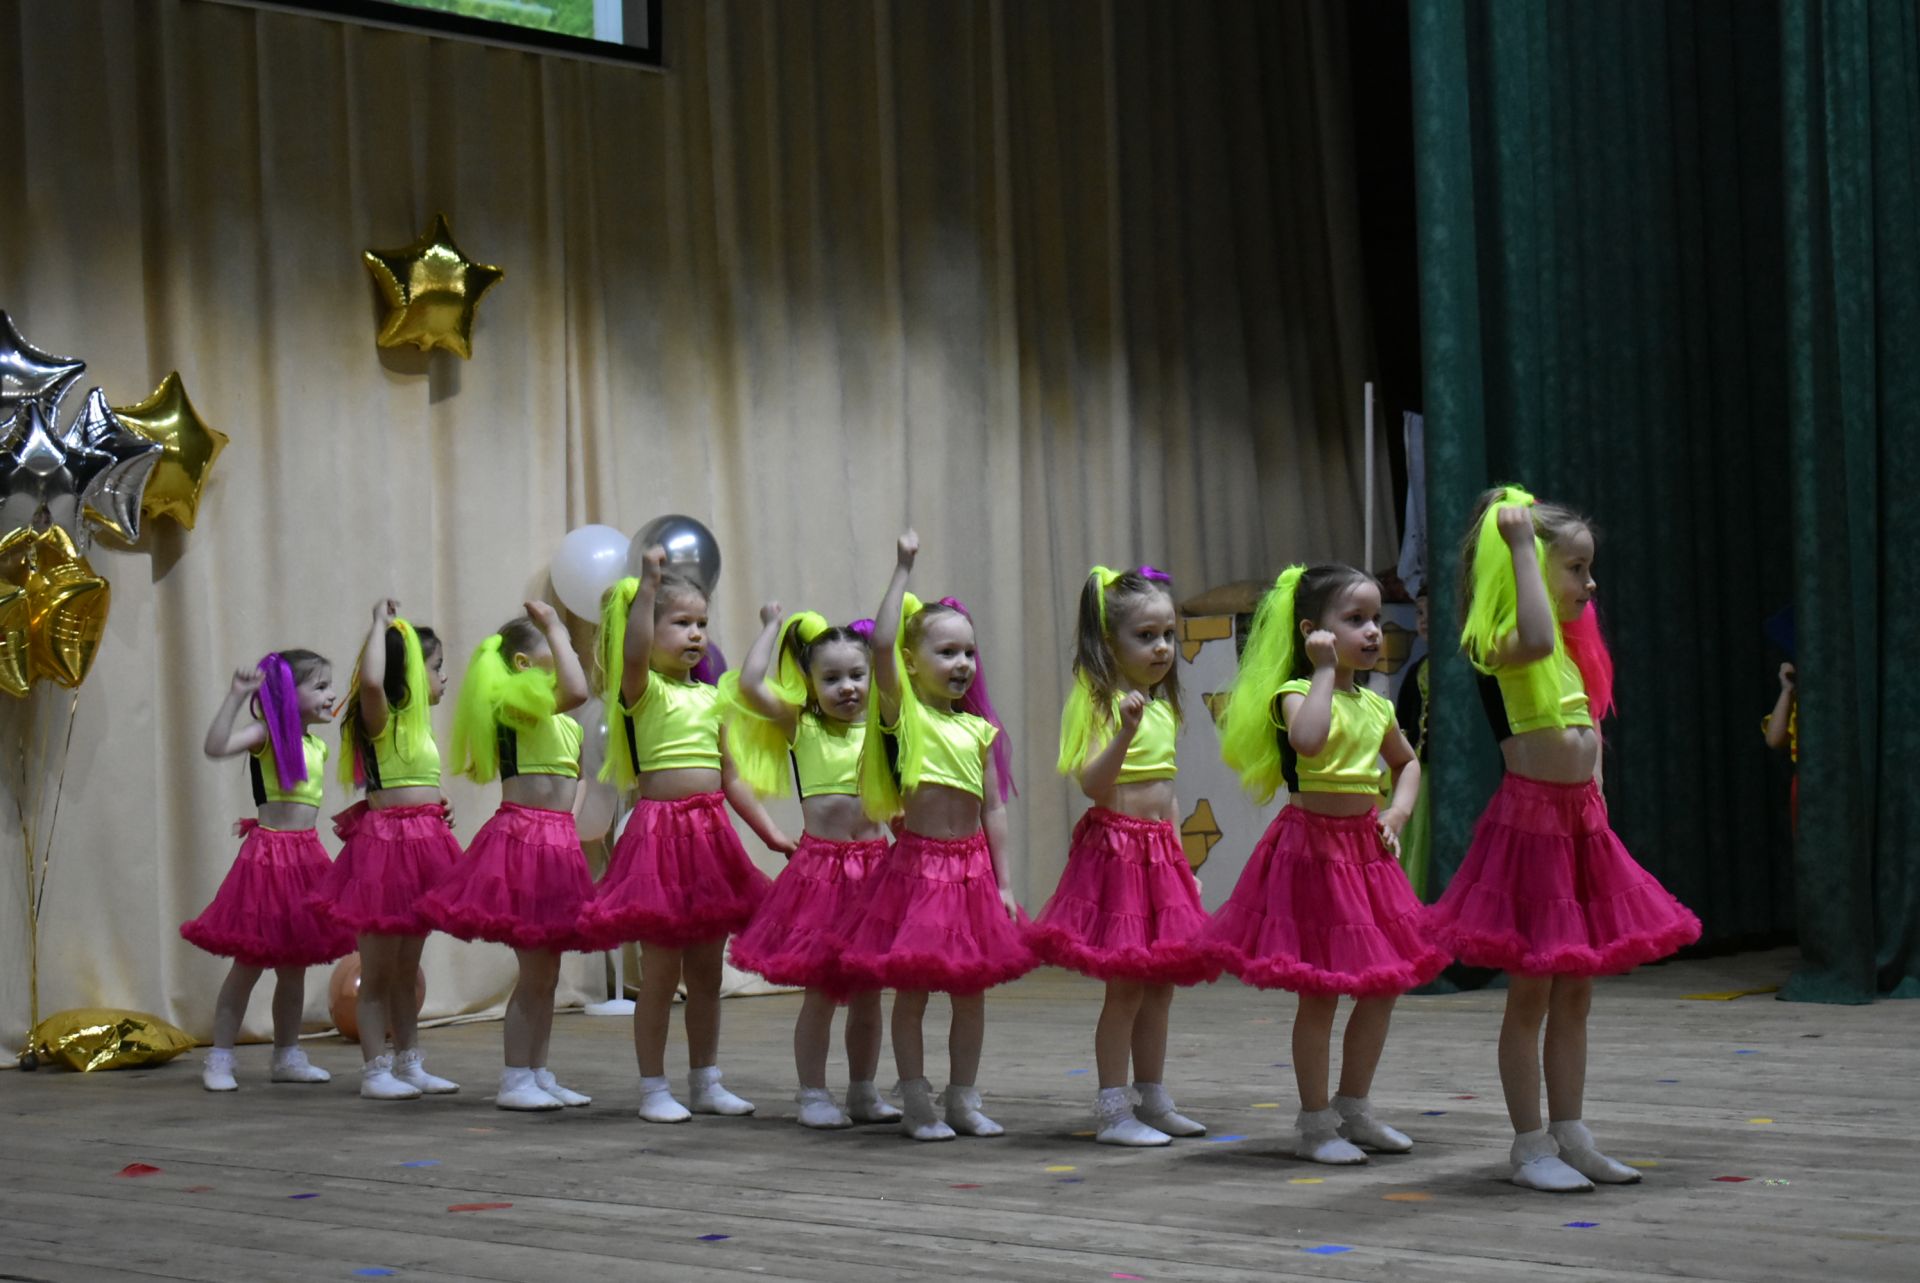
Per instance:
x=343, y=996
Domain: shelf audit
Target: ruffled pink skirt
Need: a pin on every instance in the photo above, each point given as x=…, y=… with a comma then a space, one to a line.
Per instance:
x=263, y=914
x=1127, y=907
x=791, y=939
x=1548, y=889
x=931, y=919
x=678, y=876
x=524, y=882
x=391, y=859
x=1323, y=908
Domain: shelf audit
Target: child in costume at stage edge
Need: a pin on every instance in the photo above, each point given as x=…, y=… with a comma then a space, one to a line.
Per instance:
x=398, y=843
x=937, y=915
x=1781, y=730
x=1127, y=909
x=1323, y=907
x=1546, y=891
x=678, y=882
x=524, y=882
x=802, y=692
x=263, y=916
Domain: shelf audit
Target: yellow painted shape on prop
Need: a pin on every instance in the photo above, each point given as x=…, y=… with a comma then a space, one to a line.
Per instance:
x=1063, y=1168
x=1198, y=832
x=1729, y=995
x=1216, y=702
x=1197, y=631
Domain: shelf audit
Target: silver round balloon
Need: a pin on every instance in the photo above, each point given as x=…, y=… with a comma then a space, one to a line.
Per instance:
x=691, y=549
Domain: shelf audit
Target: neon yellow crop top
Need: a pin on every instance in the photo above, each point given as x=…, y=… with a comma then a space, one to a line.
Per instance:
x=1516, y=713
x=676, y=725
x=1150, y=755
x=1350, y=763
x=551, y=748
x=826, y=755
x=956, y=750
x=387, y=769
x=265, y=769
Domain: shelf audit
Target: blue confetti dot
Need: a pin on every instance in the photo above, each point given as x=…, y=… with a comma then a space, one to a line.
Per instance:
x=422, y=1162
x=714, y=1238
x=1667, y=1080
x=1747, y=1051
x=1225, y=1140
x=1581, y=1225
x=375, y=1272
x=1075, y=1073
x=1432, y=1113
x=1326, y=1249
x=303, y=1196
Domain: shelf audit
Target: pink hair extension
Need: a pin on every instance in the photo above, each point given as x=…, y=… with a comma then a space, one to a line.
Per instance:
x=1588, y=649
x=980, y=704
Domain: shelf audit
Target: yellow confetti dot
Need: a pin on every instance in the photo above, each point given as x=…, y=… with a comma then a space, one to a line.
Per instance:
x=1759, y=1120
x=1307, y=1180
x=1063, y=1168
x=1641, y=1162
x=1267, y=1104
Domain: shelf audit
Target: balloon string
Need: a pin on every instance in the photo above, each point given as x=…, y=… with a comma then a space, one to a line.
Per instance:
x=26, y=852
x=59, y=791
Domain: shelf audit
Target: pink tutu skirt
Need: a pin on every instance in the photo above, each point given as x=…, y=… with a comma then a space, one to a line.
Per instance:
x=791, y=940
x=1547, y=889
x=1323, y=908
x=391, y=859
x=263, y=915
x=931, y=919
x=678, y=876
x=524, y=882
x=1127, y=907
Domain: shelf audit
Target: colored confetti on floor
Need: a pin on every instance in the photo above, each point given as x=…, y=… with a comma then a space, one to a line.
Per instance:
x=1267, y=1104
x=478, y=1207
x=138, y=1169
x=715, y=1238
x=303, y=1196
x=1307, y=1180
x=1326, y=1249
x=422, y=1162
x=1581, y=1225
x=1412, y=1196
x=1760, y=1122
x=1465, y=1098
x=1063, y=1167
x=376, y=1272
x=1075, y=1073
x=963, y=1187
x=1226, y=1140
x=1732, y=1180
x=1432, y=1113
x=1642, y=1162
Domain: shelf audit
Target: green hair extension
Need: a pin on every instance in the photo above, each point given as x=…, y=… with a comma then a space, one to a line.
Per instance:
x=757, y=745
x=493, y=694
x=1249, y=740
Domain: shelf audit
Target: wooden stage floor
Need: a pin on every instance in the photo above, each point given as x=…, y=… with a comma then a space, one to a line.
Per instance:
x=1816, y=1108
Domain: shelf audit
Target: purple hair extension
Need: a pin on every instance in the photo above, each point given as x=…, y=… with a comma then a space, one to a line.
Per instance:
x=1154, y=575
x=711, y=666
x=280, y=710
x=980, y=704
x=863, y=629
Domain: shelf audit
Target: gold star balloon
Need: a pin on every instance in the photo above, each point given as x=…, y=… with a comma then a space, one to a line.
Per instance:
x=188, y=449
x=16, y=612
x=67, y=610
x=432, y=291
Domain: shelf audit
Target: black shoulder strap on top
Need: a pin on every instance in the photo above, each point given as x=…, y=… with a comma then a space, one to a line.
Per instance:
x=1494, y=704
x=507, y=741
x=259, y=779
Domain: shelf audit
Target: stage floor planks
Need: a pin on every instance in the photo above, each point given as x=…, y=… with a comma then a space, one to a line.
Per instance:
x=597, y=1194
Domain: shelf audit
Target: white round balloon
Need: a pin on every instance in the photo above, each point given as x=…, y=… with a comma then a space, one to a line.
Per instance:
x=589, y=561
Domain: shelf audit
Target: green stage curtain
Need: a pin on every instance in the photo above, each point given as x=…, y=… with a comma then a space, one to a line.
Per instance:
x=1602, y=294
x=1851, y=100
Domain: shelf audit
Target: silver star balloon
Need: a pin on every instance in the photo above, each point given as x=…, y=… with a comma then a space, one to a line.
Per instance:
x=33, y=473
x=110, y=464
x=28, y=374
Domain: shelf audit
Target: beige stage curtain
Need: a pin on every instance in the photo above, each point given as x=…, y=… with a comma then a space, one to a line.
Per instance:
x=1057, y=283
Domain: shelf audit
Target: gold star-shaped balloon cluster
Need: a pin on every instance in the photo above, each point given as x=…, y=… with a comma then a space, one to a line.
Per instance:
x=105, y=469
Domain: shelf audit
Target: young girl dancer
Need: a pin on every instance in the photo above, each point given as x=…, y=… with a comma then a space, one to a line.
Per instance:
x=803, y=695
x=938, y=916
x=1323, y=908
x=398, y=845
x=1547, y=892
x=679, y=882
x=524, y=881
x=262, y=917
x=1127, y=910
